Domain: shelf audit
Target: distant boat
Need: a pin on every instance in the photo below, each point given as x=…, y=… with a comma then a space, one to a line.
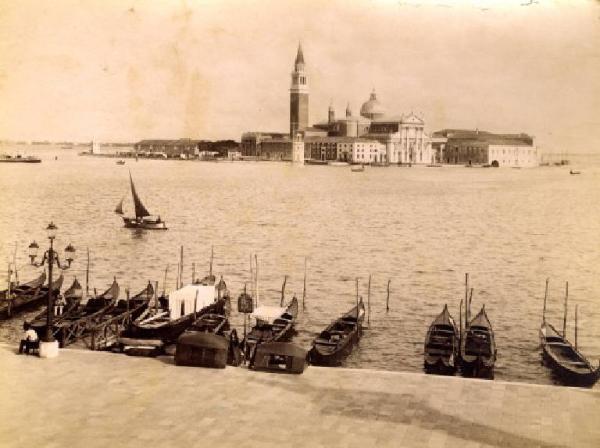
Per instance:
x=357, y=168
x=315, y=162
x=143, y=219
x=574, y=172
x=338, y=163
x=19, y=159
x=121, y=162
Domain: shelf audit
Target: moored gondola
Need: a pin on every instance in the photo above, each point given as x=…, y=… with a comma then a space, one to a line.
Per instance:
x=27, y=295
x=336, y=342
x=478, y=347
x=442, y=345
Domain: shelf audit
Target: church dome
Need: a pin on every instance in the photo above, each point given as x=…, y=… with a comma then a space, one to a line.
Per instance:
x=372, y=109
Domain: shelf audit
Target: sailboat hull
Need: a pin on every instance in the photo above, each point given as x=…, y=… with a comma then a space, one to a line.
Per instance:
x=148, y=224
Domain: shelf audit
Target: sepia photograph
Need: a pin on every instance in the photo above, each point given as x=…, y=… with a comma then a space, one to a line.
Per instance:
x=300, y=223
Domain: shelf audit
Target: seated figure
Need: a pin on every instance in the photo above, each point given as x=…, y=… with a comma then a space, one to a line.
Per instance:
x=30, y=339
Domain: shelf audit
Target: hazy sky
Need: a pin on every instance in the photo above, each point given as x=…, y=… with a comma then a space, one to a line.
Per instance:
x=125, y=70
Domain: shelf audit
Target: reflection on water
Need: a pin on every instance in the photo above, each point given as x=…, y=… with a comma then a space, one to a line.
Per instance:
x=422, y=228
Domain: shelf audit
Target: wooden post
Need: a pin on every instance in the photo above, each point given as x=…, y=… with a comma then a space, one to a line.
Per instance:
x=545, y=297
x=470, y=300
x=304, y=285
x=369, y=302
x=387, y=300
x=8, y=296
x=127, y=293
x=15, y=263
x=177, y=278
x=87, y=273
x=156, y=296
x=211, y=260
x=164, y=281
x=193, y=273
x=460, y=312
x=466, y=299
x=252, y=288
x=565, y=316
x=576, y=327
x=181, y=270
x=357, y=302
x=283, y=291
x=95, y=293
x=256, y=277
x=195, y=304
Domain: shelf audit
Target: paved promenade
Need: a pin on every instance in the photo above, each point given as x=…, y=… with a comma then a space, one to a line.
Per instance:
x=92, y=399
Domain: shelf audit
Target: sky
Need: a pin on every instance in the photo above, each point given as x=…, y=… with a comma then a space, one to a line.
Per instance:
x=119, y=70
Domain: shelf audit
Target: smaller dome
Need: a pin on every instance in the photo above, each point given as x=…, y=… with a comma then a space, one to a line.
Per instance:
x=372, y=109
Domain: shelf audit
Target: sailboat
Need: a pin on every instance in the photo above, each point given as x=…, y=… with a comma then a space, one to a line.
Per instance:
x=143, y=219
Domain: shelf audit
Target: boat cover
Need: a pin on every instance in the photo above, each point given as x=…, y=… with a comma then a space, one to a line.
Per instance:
x=184, y=298
x=203, y=340
x=268, y=314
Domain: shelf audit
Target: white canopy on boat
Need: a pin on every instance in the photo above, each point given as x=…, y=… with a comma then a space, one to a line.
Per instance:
x=267, y=313
x=181, y=301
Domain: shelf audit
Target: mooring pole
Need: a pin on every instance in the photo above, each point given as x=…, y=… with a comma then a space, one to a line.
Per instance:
x=193, y=273
x=165, y=281
x=369, y=302
x=87, y=273
x=576, y=327
x=156, y=296
x=545, y=298
x=127, y=293
x=565, y=316
x=466, y=299
x=460, y=315
x=256, y=276
x=181, y=270
x=387, y=299
x=8, y=292
x=304, y=285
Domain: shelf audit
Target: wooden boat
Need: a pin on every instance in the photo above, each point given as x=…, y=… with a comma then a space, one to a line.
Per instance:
x=143, y=219
x=28, y=295
x=315, y=162
x=568, y=364
x=336, y=342
x=92, y=308
x=574, y=172
x=25, y=288
x=442, y=344
x=282, y=357
x=170, y=316
x=273, y=324
x=357, y=168
x=121, y=162
x=72, y=296
x=135, y=305
x=208, y=343
x=478, y=347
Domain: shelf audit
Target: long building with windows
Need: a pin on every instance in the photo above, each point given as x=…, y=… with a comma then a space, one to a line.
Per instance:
x=475, y=147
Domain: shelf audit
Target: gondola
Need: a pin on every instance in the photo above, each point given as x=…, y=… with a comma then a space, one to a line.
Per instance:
x=93, y=307
x=478, y=347
x=28, y=295
x=273, y=324
x=442, y=345
x=135, y=305
x=208, y=343
x=161, y=324
x=72, y=296
x=336, y=342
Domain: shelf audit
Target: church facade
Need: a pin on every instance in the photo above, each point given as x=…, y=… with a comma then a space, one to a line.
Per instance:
x=370, y=137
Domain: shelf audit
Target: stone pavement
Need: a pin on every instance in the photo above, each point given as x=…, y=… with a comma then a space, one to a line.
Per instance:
x=93, y=399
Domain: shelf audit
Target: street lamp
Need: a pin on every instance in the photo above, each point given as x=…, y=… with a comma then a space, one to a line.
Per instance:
x=48, y=346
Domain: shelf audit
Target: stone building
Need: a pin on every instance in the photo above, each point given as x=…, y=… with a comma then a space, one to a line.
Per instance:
x=475, y=147
x=184, y=147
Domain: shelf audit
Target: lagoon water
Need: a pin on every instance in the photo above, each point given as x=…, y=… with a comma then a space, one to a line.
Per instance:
x=423, y=228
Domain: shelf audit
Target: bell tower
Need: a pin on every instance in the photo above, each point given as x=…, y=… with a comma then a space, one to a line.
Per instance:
x=298, y=96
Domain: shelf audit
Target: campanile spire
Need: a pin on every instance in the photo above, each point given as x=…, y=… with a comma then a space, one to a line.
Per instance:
x=298, y=95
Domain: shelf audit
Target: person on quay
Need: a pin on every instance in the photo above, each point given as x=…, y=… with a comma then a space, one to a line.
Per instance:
x=30, y=339
x=59, y=306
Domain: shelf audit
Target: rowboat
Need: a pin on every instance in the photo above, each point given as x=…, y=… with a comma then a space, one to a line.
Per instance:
x=568, y=364
x=336, y=342
x=27, y=295
x=208, y=343
x=442, y=344
x=478, y=347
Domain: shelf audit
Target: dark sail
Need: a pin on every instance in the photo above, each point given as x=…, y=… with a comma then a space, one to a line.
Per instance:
x=119, y=208
x=140, y=210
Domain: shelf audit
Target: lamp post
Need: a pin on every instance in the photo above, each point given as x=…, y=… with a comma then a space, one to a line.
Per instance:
x=49, y=346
